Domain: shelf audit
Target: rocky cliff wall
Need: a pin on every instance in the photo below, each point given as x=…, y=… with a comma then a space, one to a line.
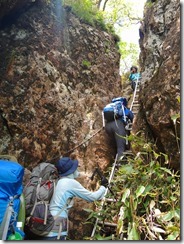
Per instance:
x=56, y=75
x=160, y=85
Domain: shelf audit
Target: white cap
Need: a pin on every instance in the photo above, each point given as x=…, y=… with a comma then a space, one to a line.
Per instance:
x=19, y=224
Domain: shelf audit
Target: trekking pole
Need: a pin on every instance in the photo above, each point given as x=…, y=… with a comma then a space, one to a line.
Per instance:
x=97, y=171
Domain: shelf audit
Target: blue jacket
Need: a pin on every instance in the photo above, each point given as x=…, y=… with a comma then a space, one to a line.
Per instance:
x=127, y=115
x=67, y=188
x=134, y=76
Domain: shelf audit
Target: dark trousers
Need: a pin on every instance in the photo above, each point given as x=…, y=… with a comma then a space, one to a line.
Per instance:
x=116, y=130
x=31, y=236
x=133, y=84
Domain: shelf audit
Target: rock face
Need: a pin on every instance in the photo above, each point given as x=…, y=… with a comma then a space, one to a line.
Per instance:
x=57, y=73
x=13, y=8
x=160, y=88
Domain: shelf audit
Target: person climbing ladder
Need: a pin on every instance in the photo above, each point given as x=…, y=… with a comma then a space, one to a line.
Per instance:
x=134, y=76
x=116, y=116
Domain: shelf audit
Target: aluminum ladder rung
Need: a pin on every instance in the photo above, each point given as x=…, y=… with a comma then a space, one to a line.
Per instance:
x=136, y=111
x=107, y=223
x=110, y=200
x=128, y=152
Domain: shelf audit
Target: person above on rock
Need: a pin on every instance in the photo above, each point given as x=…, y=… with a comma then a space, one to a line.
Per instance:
x=115, y=123
x=66, y=189
x=134, y=76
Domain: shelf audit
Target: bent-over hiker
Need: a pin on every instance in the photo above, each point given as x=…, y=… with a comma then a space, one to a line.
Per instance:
x=66, y=189
x=116, y=128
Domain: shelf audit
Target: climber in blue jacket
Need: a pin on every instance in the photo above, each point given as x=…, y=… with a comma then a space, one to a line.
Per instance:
x=134, y=76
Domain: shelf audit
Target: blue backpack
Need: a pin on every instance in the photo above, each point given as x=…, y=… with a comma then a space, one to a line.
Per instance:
x=11, y=188
x=120, y=99
x=113, y=111
x=116, y=109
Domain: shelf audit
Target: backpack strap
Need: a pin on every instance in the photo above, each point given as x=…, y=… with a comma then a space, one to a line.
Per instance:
x=46, y=212
x=60, y=211
x=57, y=215
x=124, y=116
x=6, y=219
x=36, y=200
x=59, y=232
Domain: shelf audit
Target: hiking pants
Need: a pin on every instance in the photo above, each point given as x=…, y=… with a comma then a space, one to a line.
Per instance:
x=133, y=84
x=116, y=129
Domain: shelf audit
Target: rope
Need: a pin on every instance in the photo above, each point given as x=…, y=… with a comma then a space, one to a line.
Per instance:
x=84, y=141
x=69, y=151
x=77, y=145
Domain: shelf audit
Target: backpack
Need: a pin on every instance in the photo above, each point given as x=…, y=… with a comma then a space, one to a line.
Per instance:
x=120, y=99
x=112, y=111
x=38, y=193
x=11, y=188
x=115, y=109
x=126, y=116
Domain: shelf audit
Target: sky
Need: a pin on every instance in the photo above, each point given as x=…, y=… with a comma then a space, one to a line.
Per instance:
x=131, y=34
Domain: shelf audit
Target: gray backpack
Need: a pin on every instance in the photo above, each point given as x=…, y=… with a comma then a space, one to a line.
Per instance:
x=38, y=193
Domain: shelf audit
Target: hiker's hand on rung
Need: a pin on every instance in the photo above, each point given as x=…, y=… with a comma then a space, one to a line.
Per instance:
x=104, y=182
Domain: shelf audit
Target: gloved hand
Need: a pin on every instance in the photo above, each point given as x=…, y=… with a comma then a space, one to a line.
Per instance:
x=104, y=182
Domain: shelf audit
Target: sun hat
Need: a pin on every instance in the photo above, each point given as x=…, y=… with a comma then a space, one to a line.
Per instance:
x=66, y=166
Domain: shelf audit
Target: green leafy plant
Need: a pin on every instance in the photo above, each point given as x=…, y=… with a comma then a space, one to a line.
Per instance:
x=86, y=63
x=148, y=205
x=87, y=11
x=150, y=3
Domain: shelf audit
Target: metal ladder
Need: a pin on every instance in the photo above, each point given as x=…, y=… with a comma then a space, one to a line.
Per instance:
x=135, y=103
x=109, y=199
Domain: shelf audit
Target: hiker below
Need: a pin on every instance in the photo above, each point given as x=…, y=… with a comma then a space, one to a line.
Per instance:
x=115, y=128
x=134, y=76
x=66, y=189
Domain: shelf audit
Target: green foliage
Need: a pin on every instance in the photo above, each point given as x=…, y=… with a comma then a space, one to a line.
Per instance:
x=128, y=51
x=123, y=15
x=115, y=12
x=86, y=63
x=122, y=10
x=87, y=11
x=148, y=206
x=149, y=3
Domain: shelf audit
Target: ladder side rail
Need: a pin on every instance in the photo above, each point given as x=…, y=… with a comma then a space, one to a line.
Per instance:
x=104, y=198
x=136, y=85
